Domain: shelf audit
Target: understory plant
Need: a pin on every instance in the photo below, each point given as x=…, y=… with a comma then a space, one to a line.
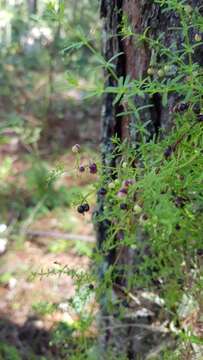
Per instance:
x=154, y=191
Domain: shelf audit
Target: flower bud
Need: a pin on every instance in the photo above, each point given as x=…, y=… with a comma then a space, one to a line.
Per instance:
x=160, y=73
x=76, y=148
x=150, y=71
x=198, y=37
x=188, y=9
x=111, y=185
x=167, y=68
x=137, y=209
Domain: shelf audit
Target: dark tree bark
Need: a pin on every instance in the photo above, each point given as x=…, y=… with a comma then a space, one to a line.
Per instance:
x=134, y=336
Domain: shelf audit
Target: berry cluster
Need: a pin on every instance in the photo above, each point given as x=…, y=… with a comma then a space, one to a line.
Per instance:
x=92, y=166
x=83, y=208
x=161, y=72
x=181, y=107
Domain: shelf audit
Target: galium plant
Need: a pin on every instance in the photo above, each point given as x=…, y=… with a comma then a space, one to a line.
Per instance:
x=155, y=189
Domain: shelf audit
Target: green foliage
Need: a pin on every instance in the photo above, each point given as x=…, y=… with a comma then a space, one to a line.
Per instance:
x=5, y=277
x=80, y=278
x=61, y=333
x=162, y=202
x=43, y=308
x=8, y=352
x=32, y=53
x=154, y=193
x=60, y=246
x=41, y=185
x=70, y=344
x=83, y=249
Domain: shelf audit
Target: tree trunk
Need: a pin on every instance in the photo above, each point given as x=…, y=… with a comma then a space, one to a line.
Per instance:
x=32, y=5
x=134, y=336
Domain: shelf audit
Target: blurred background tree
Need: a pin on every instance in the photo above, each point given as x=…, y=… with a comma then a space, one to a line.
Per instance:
x=45, y=75
x=43, y=83
x=44, y=80
x=35, y=73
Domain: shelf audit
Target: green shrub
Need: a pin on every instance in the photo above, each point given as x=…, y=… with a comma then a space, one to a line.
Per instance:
x=8, y=352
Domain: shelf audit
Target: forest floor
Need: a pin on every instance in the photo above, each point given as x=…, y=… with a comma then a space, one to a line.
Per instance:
x=31, y=308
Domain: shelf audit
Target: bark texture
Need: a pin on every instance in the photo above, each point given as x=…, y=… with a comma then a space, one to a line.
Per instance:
x=134, y=336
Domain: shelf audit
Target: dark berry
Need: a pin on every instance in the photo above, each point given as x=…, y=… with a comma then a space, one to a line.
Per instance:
x=106, y=223
x=122, y=192
x=125, y=303
x=86, y=207
x=177, y=227
x=168, y=152
x=128, y=182
x=81, y=209
x=181, y=107
x=180, y=201
x=91, y=286
x=120, y=235
x=182, y=178
x=145, y=217
x=81, y=168
x=200, y=117
x=196, y=108
x=102, y=192
x=123, y=206
x=93, y=168
x=135, y=196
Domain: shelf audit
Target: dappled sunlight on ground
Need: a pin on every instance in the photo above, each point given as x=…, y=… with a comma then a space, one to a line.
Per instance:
x=19, y=293
x=40, y=243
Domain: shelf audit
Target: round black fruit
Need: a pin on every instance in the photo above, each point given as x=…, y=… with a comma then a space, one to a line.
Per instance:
x=80, y=209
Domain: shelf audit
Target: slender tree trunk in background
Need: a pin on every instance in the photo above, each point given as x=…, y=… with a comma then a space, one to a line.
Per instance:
x=133, y=336
x=32, y=4
x=50, y=117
